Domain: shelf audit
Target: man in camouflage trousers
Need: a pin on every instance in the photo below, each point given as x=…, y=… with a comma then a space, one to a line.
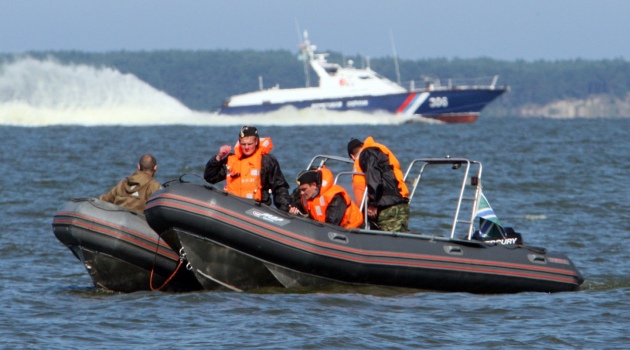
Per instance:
x=387, y=193
x=394, y=218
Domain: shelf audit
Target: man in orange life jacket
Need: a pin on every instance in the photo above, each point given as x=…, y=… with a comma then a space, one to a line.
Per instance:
x=325, y=201
x=250, y=172
x=387, y=193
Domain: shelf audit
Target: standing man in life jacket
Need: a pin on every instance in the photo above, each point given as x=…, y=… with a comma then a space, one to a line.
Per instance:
x=387, y=193
x=250, y=172
x=326, y=202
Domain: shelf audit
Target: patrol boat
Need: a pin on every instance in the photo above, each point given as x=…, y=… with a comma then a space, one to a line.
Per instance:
x=238, y=244
x=347, y=88
x=119, y=250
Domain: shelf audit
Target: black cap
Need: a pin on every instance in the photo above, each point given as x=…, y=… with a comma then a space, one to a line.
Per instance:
x=307, y=176
x=354, y=143
x=248, y=131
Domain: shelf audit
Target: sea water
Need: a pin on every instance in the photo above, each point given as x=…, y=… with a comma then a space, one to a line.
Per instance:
x=562, y=183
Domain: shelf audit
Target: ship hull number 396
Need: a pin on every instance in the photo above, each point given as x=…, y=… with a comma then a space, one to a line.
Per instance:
x=438, y=102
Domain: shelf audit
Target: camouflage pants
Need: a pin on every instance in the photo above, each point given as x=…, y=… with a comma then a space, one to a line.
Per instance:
x=394, y=218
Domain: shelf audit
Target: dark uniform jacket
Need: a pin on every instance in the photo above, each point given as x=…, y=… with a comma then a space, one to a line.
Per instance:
x=270, y=174
x=381, y=181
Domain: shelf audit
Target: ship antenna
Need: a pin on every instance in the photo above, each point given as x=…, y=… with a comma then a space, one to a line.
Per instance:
x=304, y=54
x=391, y=36
x=306, y=51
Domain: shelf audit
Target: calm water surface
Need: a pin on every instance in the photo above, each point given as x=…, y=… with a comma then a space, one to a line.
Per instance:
x=562, y=183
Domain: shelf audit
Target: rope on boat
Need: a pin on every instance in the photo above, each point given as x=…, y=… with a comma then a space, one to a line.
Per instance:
x=181, y=260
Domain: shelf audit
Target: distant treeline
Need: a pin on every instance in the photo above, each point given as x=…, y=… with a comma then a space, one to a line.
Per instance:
x=203, y=79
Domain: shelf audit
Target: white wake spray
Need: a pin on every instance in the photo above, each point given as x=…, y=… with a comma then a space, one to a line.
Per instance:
x=39, y=93
x=45, y=92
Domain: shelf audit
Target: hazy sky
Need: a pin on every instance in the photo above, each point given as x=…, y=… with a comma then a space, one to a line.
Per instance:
x=500, y=29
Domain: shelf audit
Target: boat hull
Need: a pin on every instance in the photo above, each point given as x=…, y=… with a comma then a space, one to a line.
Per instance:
x=301, y=252
x=118, y=248
x=449, y=106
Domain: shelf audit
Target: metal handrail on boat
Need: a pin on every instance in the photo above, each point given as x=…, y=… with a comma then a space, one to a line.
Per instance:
x=363, y=205
x=455, y=164
x=325, y=158
x=435, y=84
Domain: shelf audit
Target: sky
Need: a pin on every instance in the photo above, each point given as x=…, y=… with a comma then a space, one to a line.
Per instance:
x=411, y=29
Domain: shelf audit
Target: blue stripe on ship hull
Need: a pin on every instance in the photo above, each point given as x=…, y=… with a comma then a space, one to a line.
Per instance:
x=437, y=103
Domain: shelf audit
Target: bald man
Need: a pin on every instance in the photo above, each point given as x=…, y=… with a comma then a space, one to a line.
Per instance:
x=132, y=192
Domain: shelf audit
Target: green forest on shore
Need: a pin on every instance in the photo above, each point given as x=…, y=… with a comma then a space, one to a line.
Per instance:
x=203, y=79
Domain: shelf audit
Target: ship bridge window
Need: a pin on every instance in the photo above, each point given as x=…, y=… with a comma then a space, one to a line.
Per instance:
x=331, y=70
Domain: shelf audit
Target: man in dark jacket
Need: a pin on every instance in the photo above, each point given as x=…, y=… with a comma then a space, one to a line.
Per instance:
x=250, y=172
x=134, y=191
x=387, y=193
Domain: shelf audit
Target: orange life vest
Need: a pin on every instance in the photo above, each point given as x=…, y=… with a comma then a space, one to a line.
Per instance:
x=358, y=181
x=352, y=218
x=243, y=174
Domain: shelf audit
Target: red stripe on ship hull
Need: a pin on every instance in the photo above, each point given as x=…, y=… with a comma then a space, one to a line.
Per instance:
x=403, y=106
x=454, y=118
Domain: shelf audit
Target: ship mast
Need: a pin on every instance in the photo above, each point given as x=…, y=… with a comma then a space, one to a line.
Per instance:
x=391, y=36
x=306, y=56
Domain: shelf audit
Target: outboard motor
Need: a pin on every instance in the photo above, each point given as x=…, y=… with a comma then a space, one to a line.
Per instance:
x=509, y=237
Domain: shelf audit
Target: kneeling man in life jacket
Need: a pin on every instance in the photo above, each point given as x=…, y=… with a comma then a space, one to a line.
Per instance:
x=326, y=202
x=250, y=172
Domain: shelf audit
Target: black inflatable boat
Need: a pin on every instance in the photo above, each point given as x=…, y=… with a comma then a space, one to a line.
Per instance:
x=118, y=248
x=237, y=244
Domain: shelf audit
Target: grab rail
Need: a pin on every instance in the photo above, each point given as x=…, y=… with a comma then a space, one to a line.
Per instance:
x=467, y=182
x=455, y=164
